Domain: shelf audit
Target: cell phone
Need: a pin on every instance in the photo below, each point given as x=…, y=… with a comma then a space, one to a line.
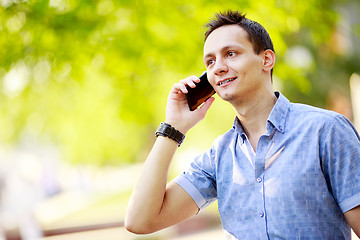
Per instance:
x=199, y=94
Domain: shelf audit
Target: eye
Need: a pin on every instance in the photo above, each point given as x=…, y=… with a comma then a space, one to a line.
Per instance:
x=231, y=54
x=209, y=62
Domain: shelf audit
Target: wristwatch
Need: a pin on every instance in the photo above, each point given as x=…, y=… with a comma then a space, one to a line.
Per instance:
x=166, y=130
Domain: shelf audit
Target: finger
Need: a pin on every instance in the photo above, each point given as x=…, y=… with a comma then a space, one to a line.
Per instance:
x=179, y=88
x=190, y=81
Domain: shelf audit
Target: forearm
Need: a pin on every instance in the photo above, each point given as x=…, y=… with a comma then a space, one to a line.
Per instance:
x=152, y=205
x=148, y=195
x=353, y=218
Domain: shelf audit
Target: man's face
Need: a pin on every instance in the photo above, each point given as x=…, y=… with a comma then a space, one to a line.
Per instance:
x=234, y=69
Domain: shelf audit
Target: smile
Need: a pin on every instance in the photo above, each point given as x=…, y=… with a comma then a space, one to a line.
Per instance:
x=226, y=81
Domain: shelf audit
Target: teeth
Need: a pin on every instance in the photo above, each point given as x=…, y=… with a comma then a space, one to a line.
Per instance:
x=226, y=81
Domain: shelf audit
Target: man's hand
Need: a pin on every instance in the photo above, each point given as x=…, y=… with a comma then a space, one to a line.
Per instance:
x=178, y=113
x=154, y=204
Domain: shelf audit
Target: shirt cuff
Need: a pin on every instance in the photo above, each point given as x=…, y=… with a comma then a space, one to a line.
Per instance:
x=350, y=203
x=192, y=191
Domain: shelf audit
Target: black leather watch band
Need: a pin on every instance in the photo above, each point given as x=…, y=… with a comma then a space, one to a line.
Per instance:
x=166, y=130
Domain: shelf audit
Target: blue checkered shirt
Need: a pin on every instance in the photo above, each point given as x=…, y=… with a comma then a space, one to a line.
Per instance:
x=304, y=175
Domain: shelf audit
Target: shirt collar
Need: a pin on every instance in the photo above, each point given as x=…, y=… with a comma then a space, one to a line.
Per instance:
x=238, y=127
x=277, y=116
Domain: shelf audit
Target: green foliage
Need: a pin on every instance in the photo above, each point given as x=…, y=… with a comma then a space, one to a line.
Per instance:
x=93, y=76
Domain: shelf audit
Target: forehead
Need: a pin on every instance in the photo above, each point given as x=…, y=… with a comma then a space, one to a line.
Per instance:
x=225, y=36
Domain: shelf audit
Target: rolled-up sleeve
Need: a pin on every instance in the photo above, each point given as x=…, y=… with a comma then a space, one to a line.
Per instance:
x=199, y=181
x=341, y=163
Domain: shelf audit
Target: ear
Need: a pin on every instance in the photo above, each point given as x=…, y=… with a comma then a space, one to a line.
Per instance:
x=268, y=60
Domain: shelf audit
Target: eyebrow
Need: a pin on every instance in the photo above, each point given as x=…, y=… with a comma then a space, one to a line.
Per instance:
x=223, y=49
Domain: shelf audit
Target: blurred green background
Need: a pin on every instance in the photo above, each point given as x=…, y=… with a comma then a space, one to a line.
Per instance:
x=91, y=77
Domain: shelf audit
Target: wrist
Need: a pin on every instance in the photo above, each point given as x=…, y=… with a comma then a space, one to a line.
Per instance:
x=178, y=125
x=166, y=130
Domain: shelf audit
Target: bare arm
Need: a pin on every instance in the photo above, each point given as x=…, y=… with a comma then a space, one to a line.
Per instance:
x=154, y=204
x=353, y=218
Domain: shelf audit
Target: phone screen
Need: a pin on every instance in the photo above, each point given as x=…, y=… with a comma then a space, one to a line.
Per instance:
x=198, y=95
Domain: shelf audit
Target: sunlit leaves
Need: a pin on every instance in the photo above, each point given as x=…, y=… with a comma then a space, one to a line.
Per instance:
x=92, y=77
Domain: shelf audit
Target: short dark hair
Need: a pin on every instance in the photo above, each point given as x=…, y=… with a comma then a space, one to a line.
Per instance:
x=258, y=35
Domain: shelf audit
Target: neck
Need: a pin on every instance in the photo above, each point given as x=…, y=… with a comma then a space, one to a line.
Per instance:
x=253, y=114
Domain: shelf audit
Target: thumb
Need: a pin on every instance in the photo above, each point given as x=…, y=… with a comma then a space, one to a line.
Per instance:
x=205, y=107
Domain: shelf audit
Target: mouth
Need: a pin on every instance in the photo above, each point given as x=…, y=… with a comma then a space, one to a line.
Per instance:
x=226, y=81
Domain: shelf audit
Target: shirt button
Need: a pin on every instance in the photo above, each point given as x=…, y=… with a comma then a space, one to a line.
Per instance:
x=259, y=180
x=262, y=214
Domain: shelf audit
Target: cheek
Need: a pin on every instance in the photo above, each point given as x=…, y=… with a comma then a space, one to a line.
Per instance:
x=211, y=78
x=241, y=64
x=251, y=68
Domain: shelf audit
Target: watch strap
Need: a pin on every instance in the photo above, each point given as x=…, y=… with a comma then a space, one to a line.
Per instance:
x=166, y=130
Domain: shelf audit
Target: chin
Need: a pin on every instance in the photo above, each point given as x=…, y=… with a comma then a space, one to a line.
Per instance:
x=228, y=97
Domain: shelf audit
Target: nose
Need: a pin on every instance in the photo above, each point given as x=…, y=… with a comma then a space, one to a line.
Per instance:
x=220, y=67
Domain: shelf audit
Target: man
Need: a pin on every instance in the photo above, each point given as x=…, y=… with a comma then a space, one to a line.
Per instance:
x=284, y=171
